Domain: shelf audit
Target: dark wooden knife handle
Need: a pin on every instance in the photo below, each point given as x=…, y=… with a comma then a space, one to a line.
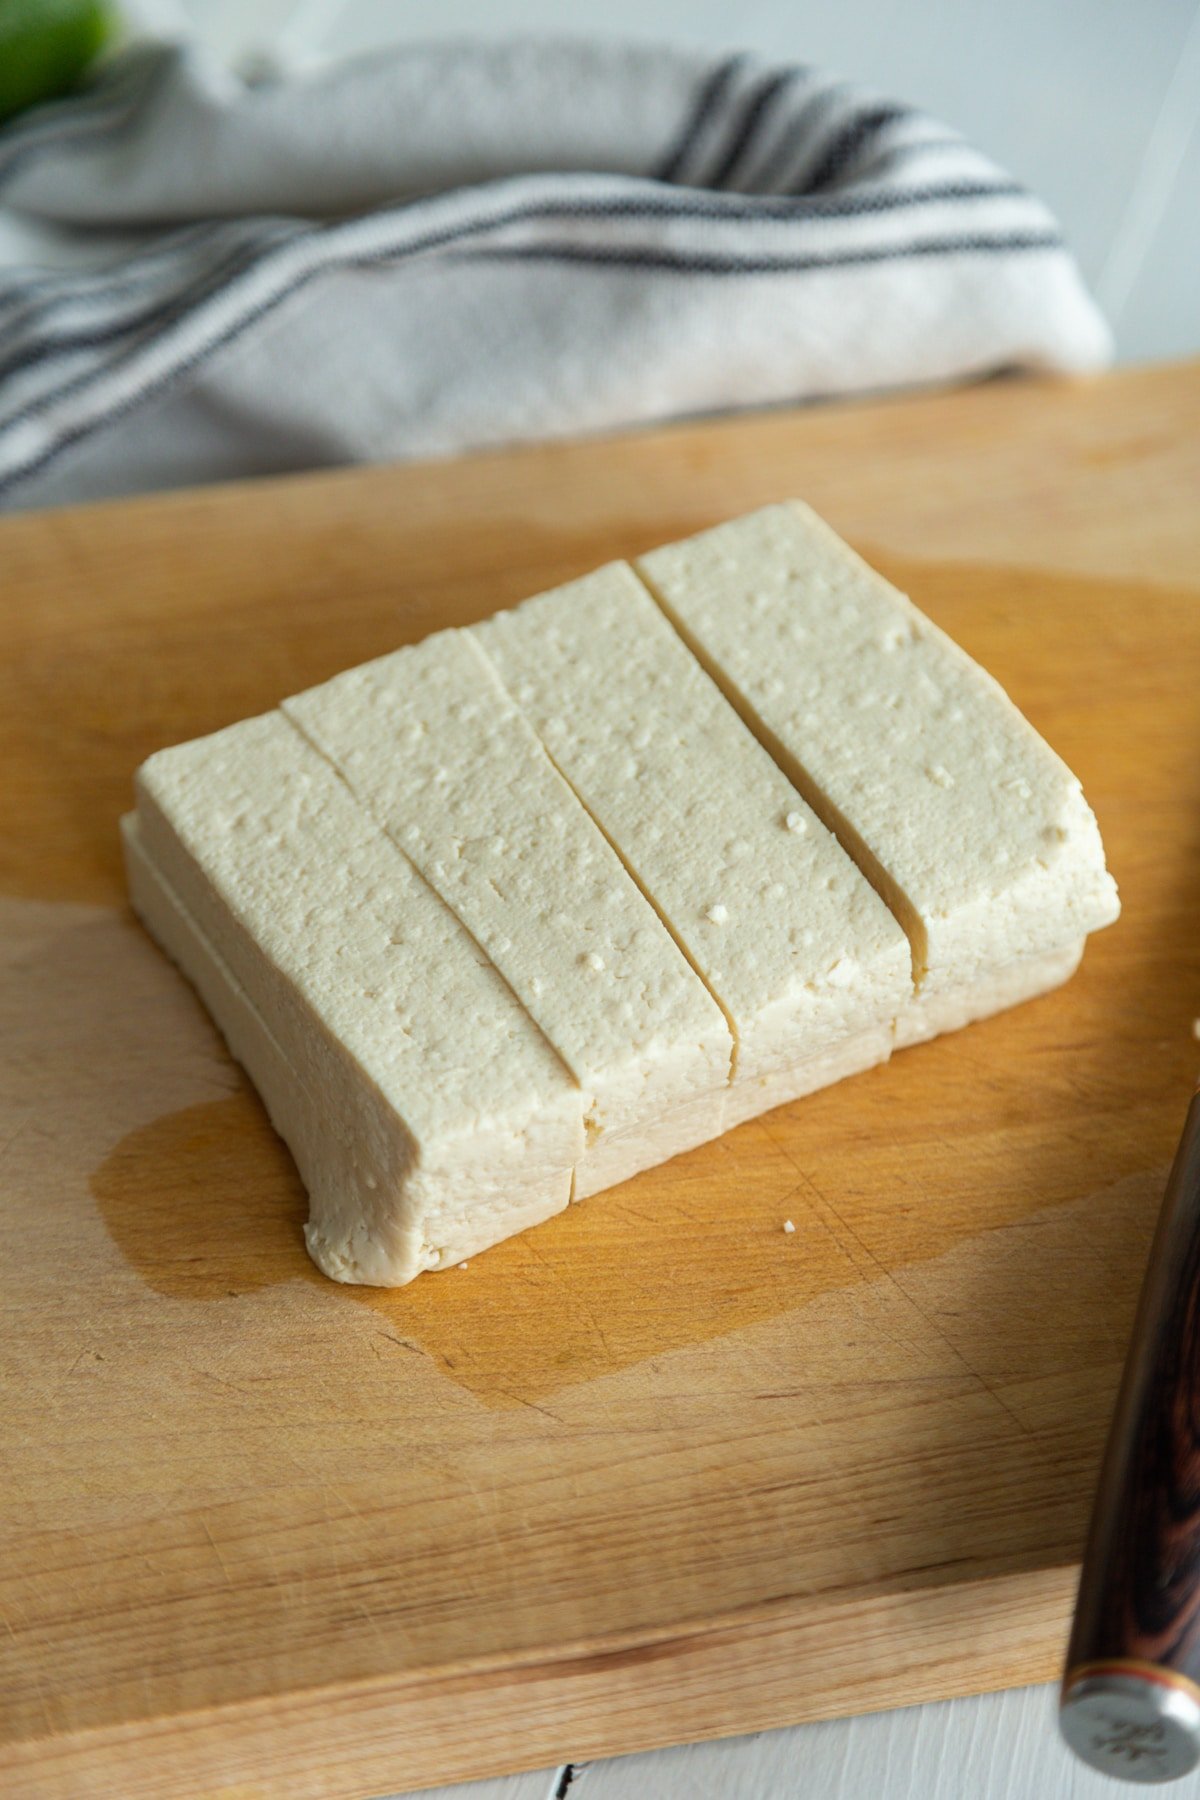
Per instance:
x=1131, y=1691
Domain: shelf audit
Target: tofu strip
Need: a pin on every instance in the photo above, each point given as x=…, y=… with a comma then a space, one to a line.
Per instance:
x=440, y=758
x=973, y=830
x=450, y=1121
x=804, y=959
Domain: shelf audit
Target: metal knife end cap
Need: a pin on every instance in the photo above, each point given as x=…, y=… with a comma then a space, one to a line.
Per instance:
x=1135, y=1723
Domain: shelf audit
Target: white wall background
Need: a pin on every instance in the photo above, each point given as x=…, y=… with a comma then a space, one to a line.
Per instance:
x=1094, y=103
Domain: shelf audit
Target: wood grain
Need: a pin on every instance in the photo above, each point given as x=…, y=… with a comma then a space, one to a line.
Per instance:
x=658, y=1470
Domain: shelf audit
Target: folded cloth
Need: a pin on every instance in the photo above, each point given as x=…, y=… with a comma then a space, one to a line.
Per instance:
x=463, y=245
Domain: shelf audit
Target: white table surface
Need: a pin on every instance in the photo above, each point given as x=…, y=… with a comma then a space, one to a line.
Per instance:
x=999, y=1747
x=1095, y=104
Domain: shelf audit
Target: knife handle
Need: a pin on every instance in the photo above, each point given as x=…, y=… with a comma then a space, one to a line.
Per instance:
x=1130, y=1702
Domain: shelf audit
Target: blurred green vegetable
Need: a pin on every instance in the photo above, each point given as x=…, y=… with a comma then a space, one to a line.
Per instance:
x=45, y=46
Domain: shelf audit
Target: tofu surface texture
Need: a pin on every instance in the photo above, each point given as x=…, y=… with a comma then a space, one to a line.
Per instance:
x=975, y=831
x=458, y=1122
x=807, y=963
x=504, y=917
x=437, y=754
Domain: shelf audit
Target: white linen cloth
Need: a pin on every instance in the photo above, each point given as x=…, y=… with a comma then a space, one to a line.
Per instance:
x=468, y=244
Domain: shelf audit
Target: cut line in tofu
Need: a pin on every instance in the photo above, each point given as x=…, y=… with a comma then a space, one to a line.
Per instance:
x=451, y=1121
x=802, y=956
x=436, y=753
x=971, y=828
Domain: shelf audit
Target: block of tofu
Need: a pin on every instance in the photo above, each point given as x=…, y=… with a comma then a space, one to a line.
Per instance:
x=803, y=957
x=428, y=1113
x=437, y=754
x=964, y=819
x=324, y=1157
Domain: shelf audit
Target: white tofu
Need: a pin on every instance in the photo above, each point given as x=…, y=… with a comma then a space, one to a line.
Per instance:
x=448, y=1120
x=804, y=959
x=436, y=753
x=325, y=1157
x=974, y=830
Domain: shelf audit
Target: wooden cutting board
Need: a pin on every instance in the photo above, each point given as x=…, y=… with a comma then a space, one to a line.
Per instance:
x=658, y=1470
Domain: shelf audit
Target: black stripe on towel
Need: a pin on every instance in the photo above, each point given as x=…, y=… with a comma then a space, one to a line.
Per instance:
x=158, y=314
x=760, y=103
x=685, y=262
x=90, y=121
x=848, y=144
x=711, y=97
x=677, y=263
x=794, y=144
x=694, y=206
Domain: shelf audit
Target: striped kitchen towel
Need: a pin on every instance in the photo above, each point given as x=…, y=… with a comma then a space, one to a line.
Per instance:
x=461, y=245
